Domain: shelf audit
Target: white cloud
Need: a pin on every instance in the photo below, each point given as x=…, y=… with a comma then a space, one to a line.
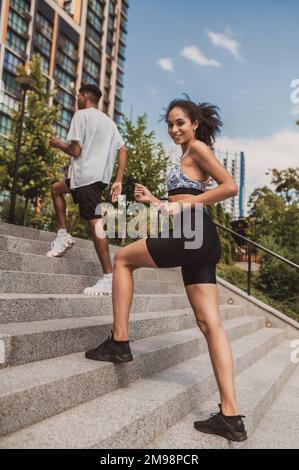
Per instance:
x=279, y=150
x=166, y=64
x=194, y=54
x=295, y=111
x=225, y=41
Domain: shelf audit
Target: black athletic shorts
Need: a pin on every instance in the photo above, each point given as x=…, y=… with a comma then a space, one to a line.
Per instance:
x=88, y=197
x=198, y=265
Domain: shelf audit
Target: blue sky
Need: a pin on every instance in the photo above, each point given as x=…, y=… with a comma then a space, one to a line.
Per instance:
x=253, y=93
x=251, y=52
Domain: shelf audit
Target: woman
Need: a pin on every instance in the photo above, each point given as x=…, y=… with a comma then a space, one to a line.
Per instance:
x=194, y=128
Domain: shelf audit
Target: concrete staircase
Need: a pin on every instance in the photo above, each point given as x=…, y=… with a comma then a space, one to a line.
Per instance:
x=52, y=397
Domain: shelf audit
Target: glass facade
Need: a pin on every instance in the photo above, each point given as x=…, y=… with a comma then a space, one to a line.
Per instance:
x=34, y=27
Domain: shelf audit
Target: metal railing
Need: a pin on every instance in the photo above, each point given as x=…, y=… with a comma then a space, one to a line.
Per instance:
x=250, y=244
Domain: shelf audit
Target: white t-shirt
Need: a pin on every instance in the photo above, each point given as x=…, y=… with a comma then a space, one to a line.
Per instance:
x=99, y=140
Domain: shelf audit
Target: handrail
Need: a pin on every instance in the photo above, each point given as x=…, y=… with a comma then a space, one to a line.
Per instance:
x=260, y=247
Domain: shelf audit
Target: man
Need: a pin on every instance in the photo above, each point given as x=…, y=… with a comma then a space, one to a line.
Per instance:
x=93, y=142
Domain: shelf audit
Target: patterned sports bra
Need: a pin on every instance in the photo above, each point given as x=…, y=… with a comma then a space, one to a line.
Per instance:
x=179, y=183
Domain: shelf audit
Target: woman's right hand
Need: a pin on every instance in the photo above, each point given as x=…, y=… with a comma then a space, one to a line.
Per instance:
x=142, y=194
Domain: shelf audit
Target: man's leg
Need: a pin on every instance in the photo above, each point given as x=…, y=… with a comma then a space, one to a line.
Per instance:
x=101, y=244
x=63, y=241
x=104, y=285
x=57, y=191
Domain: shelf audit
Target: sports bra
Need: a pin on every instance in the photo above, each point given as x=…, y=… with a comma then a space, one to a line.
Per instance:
x=179, y=183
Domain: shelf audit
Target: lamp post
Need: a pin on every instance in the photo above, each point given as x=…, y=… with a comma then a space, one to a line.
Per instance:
x=26, y=83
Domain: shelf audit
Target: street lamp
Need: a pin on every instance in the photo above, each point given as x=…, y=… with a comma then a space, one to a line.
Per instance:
x=26, y=83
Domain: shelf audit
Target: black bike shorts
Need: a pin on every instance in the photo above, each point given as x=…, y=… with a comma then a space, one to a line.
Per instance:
x=198, y=265
x=88, y=197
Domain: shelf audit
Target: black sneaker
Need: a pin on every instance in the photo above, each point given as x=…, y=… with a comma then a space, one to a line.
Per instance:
x=111, y=351
x=230, y=427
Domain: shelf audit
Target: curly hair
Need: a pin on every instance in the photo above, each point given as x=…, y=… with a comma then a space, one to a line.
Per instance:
x=206, y=114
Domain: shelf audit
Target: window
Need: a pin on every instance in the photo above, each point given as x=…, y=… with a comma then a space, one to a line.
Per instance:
x=121, y=62
x=68, y=46
x=109, y=48
x=119, y=92
x=66, y=63
x=61, y=131
x=10, y=83
x=111, y=23
x=17, y=23
x=65, y=117
x=118, y=105
x=43, y=43
x=87, y=79
x=23, y=6
x=5, y=124
x=120, y=78
x=9, y=104
x=65, y=99
x=92, y=68
x=110, y=35
x=111, y=8
x=11, y=62
x=92, y=51
x=45, y=25
x=93, y=34
x=122, y=51
x=94, y=21
x=44, y=62
x=96, y=6
x=123, y=36
x=125, y=8
x=123, y=24
x=64, y=79
x=16, y=42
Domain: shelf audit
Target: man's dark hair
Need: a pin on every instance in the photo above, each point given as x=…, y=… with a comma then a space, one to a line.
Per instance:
x=94, y=92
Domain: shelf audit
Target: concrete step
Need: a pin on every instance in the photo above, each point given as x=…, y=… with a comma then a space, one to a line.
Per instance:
x=121, y=419
x=279, y=428
x=35, y=387
x=19, y=308
x=37, y=247
x=39, y=235
x=39, y=340
x=37, y=263
x=75, y=266
x=17, y=244
x=256, y=388
x=49, y=283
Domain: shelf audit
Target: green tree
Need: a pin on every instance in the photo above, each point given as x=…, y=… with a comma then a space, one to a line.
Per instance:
x=286, y=183
x=147, y=159
x=228, y=245
x=274, y=223
x=40, y=165
x=266, y=209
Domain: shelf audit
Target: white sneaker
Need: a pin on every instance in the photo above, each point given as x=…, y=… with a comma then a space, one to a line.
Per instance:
x=102, y=287
x=60, y=245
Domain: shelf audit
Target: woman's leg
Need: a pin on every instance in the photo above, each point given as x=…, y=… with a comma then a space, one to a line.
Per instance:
x=126, y=261
x=205, y=304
